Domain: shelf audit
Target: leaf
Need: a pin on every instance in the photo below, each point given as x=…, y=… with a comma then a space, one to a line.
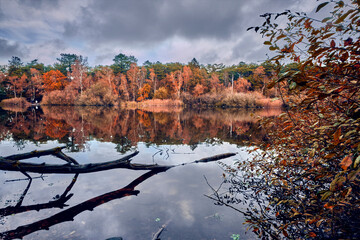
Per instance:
x=326, y=19
x=352, y=175
x=337, y=183
x=332, y=44
x=272, y=48
x=346, y=162
x=329, y=206
x=342, y=18
x=285, y=233
x=312, y=234
x=267, y=43
x=348, y=41
x=337, y=136
x=357, y=161
x=321, y=6
x=326, y=195
x=292, y=85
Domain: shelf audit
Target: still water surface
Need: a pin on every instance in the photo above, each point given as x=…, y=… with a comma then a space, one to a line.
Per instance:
x=174, y=198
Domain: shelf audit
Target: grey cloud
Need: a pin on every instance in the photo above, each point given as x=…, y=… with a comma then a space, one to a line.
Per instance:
x=138, y=21
x=2, y=15
x=156, y=28
x=8, y=49
x=39, y=3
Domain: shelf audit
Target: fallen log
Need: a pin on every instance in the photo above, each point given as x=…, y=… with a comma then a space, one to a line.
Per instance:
x=12, y=163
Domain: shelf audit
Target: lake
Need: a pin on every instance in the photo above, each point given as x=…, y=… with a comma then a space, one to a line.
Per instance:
x=56, y=206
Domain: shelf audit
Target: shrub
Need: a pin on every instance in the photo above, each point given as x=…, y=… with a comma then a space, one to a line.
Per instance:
x=161, y=93
x=98, y=94
x=60, y=97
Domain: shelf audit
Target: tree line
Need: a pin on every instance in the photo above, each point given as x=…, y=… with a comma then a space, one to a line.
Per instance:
x=71, y=81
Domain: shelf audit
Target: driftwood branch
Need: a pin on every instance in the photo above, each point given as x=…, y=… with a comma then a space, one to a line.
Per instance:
x=12, y=163
x=39, y=153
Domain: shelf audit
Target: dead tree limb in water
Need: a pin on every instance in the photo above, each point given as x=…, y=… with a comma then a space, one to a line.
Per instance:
x=70, y=213
x=12, y=163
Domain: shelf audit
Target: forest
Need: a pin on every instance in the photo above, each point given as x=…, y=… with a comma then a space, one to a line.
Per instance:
x=71, y=81
x=302, y=180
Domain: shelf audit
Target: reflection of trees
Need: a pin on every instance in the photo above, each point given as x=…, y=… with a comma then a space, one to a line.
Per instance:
x=75, y=126
x=13, y=163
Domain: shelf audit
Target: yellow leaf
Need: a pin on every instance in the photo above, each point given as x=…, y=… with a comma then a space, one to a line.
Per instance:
x=326, y=195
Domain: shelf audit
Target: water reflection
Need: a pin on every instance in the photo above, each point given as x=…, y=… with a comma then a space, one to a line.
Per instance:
x=76, y=126
x=174, y=197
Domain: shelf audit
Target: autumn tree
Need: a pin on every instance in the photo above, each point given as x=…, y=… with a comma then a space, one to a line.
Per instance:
x=35, y=83
x=123, y=88
x=133, y=77
x=198, y=90
x=215, y=83
x=54, y=80
x=152, y=81
x=106, y=75
x=174, y=81
x=79, y=78
x=187, y=75
x=144, y=92
x=305, y=181
x=261, y=78
x=242, y=85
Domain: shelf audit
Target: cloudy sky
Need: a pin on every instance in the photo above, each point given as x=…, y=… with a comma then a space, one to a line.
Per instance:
x=212, y=31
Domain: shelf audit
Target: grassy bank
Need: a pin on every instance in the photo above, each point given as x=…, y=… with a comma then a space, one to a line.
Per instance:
x=232, y=100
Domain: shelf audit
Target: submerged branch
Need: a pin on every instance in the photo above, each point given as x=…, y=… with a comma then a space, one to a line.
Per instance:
x=12, y=163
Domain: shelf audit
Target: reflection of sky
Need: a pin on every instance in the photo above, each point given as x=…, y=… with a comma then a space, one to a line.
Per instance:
x=176, y=195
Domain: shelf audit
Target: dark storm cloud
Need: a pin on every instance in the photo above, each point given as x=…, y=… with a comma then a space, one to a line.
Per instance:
x=164, y=30
x=144, y=21
x=8, y=49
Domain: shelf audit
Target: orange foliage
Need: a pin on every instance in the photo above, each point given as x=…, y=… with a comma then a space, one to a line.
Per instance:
x=242, y=85
x=56, y=128
x=54, y=80
x=144, y=92
x=198, y=90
